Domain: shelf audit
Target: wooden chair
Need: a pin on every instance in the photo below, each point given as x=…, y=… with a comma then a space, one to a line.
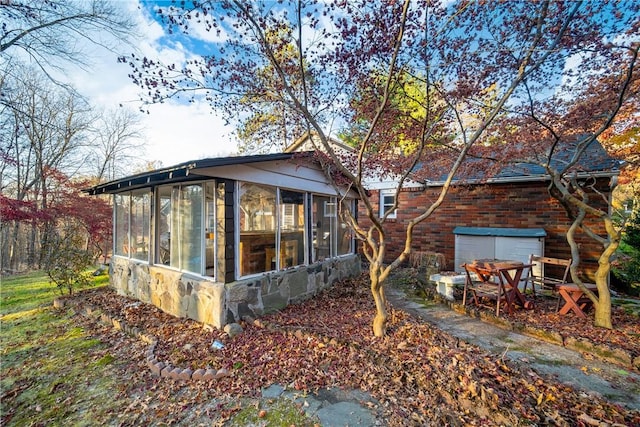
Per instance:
x=270, y=259
x=485, y=284
x=544, y=280
x=288, y=253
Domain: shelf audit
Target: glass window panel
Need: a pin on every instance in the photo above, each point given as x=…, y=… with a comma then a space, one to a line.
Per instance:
x=140, y=224
x=190, y=231
x=345, y=240
x=257, y=220
x=121, y=228
x=174, y=241
x=164, y=225
x=292, y=226
x=210, y=229
x=181, y=237
x=387, y=200
x=185, y=236
x=324, y=224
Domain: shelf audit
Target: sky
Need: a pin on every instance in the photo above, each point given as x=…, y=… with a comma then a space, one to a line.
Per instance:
x=174, y=133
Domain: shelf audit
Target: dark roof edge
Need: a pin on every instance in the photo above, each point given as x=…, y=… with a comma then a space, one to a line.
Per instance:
x=181, y=171
x=498, y=231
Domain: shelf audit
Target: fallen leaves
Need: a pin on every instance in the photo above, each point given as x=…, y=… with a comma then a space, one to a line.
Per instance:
x=545, y=318
x=418, y=374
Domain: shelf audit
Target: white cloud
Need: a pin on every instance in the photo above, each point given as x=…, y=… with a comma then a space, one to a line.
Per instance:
x=174, y=132
x=200, y=32
x=186, y=132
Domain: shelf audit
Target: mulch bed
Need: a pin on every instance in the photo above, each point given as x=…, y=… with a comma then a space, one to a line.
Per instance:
x=620, y=345
x=418, y=374
x=625, y=336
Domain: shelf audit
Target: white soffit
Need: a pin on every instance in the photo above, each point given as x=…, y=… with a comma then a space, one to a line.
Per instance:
x=283, y=174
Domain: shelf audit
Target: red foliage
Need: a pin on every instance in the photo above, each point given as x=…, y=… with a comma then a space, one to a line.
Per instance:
x=19, y=210
x=65, y=203
x=69, y=202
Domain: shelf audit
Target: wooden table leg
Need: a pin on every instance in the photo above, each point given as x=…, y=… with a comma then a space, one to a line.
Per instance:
x=571, y=302
x=514, y=294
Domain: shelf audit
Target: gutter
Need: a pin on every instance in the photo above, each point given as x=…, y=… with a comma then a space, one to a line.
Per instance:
x=520, y=179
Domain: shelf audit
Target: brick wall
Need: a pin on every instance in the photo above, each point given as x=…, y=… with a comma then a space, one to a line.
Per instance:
x=518, y=205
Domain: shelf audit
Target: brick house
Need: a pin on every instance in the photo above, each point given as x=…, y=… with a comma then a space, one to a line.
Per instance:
x=514, y=205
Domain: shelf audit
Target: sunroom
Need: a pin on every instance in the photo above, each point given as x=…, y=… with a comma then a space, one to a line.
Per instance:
x=220, y=239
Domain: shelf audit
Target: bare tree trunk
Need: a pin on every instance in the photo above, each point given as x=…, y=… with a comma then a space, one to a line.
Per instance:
x=377, y=290
x=4, y=246
x=32, y=250
x=602, y=304
x=14, y=248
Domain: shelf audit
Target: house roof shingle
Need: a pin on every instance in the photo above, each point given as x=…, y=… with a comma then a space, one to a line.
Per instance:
x=594, y=161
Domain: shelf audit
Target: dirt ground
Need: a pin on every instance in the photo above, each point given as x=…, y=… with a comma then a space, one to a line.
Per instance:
x=417, y=373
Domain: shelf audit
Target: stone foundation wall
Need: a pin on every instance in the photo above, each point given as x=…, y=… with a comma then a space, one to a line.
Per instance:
x=273, y=291
x=217, y=304
x=176, y=293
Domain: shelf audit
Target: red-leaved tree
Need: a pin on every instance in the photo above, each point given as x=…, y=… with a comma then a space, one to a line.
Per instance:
x=414, y=82
x=71, y=218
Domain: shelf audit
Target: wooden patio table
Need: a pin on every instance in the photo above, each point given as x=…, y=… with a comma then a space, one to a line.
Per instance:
x=575, y=299
x=508, y=274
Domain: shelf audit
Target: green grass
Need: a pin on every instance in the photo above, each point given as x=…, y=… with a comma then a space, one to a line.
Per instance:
x=55, y=373
x=279, y=412
x=28, y=291
x=52, y=372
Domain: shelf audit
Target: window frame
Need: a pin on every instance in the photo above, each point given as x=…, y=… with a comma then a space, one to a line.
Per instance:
x=127, y=211
x=140, y=199
x=384, y=207
x=253, y=233
x=203, y=226
x=327, y=209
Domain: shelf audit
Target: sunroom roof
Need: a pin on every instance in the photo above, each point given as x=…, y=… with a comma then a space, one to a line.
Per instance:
x=183, y=172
